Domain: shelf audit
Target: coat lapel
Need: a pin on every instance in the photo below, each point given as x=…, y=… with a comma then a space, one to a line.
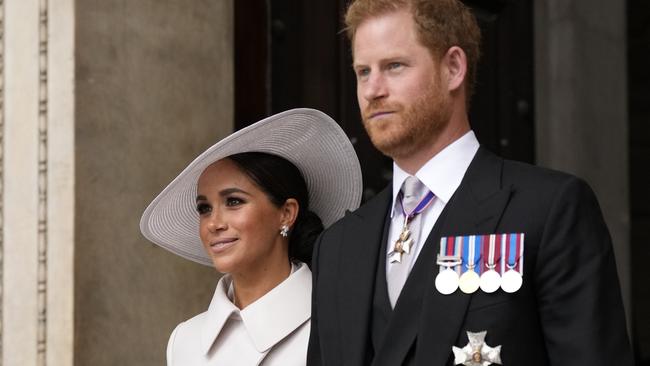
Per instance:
x=475, y=208
x=360, y=246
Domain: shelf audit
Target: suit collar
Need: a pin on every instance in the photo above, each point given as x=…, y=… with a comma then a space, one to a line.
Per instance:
x=443, y=173
x=270, y=318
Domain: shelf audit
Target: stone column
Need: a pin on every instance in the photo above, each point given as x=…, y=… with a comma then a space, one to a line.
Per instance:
x=37, y=178
x=581, y=106
x=154, y=88
x=102, y=103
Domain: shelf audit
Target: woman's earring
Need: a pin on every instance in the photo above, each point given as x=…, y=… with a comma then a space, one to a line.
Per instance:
x=284, y=231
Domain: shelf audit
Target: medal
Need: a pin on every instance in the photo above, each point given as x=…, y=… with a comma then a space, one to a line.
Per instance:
x=447, y=279
x=514, y=248
x=469, y=280
x=511, y=281
x=477, y=352
x=404, y=241
x=490, y=279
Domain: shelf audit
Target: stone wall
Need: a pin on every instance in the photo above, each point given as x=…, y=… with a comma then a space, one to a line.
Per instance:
x=154, y=88
x=581, y=106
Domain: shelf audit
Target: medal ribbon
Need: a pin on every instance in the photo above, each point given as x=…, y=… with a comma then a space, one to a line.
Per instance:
x=421, y=206
x=471, y=253
x=450, y=247
x=490, y=255
x=514, y=245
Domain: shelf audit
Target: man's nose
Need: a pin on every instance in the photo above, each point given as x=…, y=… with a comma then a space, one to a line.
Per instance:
x=375, y=87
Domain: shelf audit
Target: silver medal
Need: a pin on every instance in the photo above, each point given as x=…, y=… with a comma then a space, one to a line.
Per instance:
x=511, y=281
x=469, y=282
x=490, y=281
x=447, y=281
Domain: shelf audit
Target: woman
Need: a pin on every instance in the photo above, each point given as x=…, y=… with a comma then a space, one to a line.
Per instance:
x=251, y=206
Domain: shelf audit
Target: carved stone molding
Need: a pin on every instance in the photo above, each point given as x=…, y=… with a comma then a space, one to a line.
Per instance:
x=41, y=340
x=2, y=94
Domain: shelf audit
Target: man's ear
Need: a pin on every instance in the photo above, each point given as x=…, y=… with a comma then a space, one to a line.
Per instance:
x=455, y=63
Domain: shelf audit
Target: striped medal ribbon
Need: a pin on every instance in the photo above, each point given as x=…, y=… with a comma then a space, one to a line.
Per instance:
x=449, y=261
x=469, y=281
x=490, y=278
x=512, y=247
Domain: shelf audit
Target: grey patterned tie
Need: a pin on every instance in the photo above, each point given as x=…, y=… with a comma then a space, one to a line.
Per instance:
x=413, y=191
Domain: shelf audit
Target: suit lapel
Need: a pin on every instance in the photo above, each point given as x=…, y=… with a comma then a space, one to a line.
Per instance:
x=475, y=208
x=360, y=247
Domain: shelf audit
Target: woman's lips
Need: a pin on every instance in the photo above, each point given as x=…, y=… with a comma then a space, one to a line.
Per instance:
x=221, y=245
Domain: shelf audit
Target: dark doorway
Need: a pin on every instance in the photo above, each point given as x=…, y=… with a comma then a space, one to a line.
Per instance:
x=291, y=53
x=638, y=21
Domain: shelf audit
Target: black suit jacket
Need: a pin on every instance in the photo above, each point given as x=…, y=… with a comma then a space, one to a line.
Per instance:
x=567, y=312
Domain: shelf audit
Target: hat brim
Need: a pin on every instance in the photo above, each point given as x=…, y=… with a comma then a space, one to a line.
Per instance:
x=308, y=138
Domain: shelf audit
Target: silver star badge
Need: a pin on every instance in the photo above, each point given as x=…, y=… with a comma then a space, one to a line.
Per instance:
x=476, y=352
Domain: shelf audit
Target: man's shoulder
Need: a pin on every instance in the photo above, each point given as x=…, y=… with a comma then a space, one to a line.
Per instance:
x=526, y=175
x=545, y=186
x=376, y=204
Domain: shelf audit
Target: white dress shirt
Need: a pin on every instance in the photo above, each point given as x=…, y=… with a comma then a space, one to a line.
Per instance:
x=442, y=176
x=272, y=331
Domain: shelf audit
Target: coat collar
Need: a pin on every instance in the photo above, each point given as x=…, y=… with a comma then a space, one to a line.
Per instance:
x=269, y=319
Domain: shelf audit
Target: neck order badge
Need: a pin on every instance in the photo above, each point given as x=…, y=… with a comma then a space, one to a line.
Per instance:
x=404, y=242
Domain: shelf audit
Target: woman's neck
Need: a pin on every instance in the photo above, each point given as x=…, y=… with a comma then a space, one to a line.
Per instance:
x=251, y=285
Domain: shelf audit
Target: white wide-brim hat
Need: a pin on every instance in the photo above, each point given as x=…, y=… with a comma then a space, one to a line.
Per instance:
x=308, y=138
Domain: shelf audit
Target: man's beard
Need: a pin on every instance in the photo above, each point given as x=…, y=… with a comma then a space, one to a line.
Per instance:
x=412, y=127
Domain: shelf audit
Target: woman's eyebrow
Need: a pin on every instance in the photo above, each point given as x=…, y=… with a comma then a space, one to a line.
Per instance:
x=228, y=191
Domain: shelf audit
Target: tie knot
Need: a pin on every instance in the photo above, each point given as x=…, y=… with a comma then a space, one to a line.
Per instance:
x=413, y=191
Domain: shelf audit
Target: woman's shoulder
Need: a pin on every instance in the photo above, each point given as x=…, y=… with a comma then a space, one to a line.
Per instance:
x=185, y=340
x=191, y=330
x=192, y=325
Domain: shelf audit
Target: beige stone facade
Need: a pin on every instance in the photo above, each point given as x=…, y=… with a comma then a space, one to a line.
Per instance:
x=102, y=103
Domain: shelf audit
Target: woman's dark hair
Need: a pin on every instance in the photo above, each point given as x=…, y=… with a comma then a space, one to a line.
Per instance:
x=281, y=180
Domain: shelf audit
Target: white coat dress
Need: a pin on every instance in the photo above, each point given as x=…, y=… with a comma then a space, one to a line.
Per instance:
x=272, y=331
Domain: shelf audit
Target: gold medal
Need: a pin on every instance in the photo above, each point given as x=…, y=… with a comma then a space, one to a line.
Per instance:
x=469, y=281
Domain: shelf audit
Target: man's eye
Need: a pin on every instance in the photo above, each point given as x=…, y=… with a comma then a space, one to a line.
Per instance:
x=203, y=208
x=233, y=201
x=395, y=65
x=363, y=72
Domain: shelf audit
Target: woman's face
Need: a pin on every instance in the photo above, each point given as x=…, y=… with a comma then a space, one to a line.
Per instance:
x=239, y=226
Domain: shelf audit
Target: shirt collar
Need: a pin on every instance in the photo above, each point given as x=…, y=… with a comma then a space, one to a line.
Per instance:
x=443, y=173
x=270, y=318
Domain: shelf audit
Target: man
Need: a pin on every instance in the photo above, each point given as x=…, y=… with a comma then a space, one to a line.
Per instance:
x=386, y=276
